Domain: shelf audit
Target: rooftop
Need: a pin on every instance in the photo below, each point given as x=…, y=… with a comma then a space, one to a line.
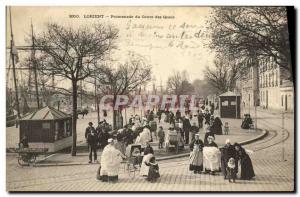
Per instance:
x=46, y=113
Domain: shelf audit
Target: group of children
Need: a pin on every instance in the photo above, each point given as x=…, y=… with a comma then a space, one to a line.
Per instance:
x=161, y=134
x=153, y=172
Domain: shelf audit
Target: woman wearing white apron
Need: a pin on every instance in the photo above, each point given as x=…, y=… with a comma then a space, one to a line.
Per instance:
x=110, y=162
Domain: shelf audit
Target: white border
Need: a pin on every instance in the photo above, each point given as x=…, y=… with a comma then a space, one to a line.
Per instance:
x=3, y=3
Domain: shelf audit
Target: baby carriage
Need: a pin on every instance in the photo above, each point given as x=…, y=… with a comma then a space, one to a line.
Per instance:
x=133, y=160
x=172, y=141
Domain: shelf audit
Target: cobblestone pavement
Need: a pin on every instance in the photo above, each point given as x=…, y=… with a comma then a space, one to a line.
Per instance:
x=272, y=173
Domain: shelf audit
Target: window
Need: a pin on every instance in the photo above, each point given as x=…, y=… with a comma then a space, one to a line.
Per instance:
x=260, y=81
x=276, y=78
x=273, y=78
x=282, y=100
x=46, y=125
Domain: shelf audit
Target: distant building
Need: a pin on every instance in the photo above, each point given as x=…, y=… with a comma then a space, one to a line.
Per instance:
x=249, y=88
x=287, y=95
x=268, y=86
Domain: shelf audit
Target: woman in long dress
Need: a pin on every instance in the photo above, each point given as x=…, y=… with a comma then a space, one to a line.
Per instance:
x=196, y=155
x=227, y=152
x=145, y=137
x=247, y=171
x=145, y=167
x=211, y=156
x=216, y=127
x=110, y=162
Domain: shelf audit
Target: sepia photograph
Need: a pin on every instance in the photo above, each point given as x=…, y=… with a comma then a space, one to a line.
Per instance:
x=150, y=99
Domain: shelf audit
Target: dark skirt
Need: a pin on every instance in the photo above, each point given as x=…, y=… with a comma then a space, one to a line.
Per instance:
x=196, y=168
x=247, y=171
x=153, y=173
x=231, y=174
x=105, y=178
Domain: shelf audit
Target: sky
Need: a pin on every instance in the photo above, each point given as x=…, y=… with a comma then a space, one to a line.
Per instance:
x=170, y=38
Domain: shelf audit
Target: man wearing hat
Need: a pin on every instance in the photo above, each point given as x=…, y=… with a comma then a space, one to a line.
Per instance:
x=88, y=130
x=207, y=117
x=186, y=129
x=92, y=140
x=161, y=137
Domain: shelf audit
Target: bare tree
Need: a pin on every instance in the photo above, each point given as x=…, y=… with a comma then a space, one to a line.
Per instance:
x=74, y=52
x=224, y=75
x=179, y=84
x=123, y=79
x=252, y=32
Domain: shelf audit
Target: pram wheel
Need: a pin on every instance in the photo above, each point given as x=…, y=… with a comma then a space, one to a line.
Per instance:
x=131, y=169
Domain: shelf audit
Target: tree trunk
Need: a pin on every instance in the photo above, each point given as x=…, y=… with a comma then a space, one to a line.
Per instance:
x=114, y=114
x=74, y=119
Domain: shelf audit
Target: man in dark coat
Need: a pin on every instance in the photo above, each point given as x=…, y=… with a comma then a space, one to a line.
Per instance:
x=186, y=129
x=159, y=112
x=150, y=116
x=128, y=135
x=178, y=115
x=212, y=109
x=99, y=133
x=207, y=117
x=89, y=130
x=92, y=141
x=172, y=118
x=105, y=137
x=200, y=117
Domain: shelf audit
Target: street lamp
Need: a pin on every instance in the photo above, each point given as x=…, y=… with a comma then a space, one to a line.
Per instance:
x=282, y=142
x=236, y=103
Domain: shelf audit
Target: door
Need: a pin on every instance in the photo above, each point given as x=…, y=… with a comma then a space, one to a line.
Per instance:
x=267, y=100
x=286, y=103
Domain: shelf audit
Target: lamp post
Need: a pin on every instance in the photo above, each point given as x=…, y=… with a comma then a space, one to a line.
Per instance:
x=282, y=142
x=236, y=103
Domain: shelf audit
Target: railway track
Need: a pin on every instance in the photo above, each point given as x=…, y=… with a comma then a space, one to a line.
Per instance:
x=275, y=139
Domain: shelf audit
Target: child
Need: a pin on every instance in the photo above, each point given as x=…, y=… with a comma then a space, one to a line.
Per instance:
x=161, y=137
x=153, y=173
x=136, y=154
x=231, y=172
x=226, y=128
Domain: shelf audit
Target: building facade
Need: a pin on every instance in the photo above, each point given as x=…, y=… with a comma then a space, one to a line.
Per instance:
x=269, y=84
x=266, y=86
x=249, y=88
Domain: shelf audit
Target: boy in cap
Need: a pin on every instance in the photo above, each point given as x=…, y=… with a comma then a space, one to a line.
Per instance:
x=161, y=137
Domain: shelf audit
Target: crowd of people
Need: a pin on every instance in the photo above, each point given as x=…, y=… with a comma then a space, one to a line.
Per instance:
x=205, y=156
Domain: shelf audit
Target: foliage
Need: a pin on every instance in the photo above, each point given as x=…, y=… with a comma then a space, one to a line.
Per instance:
x=252, y=33
x=72, y=54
